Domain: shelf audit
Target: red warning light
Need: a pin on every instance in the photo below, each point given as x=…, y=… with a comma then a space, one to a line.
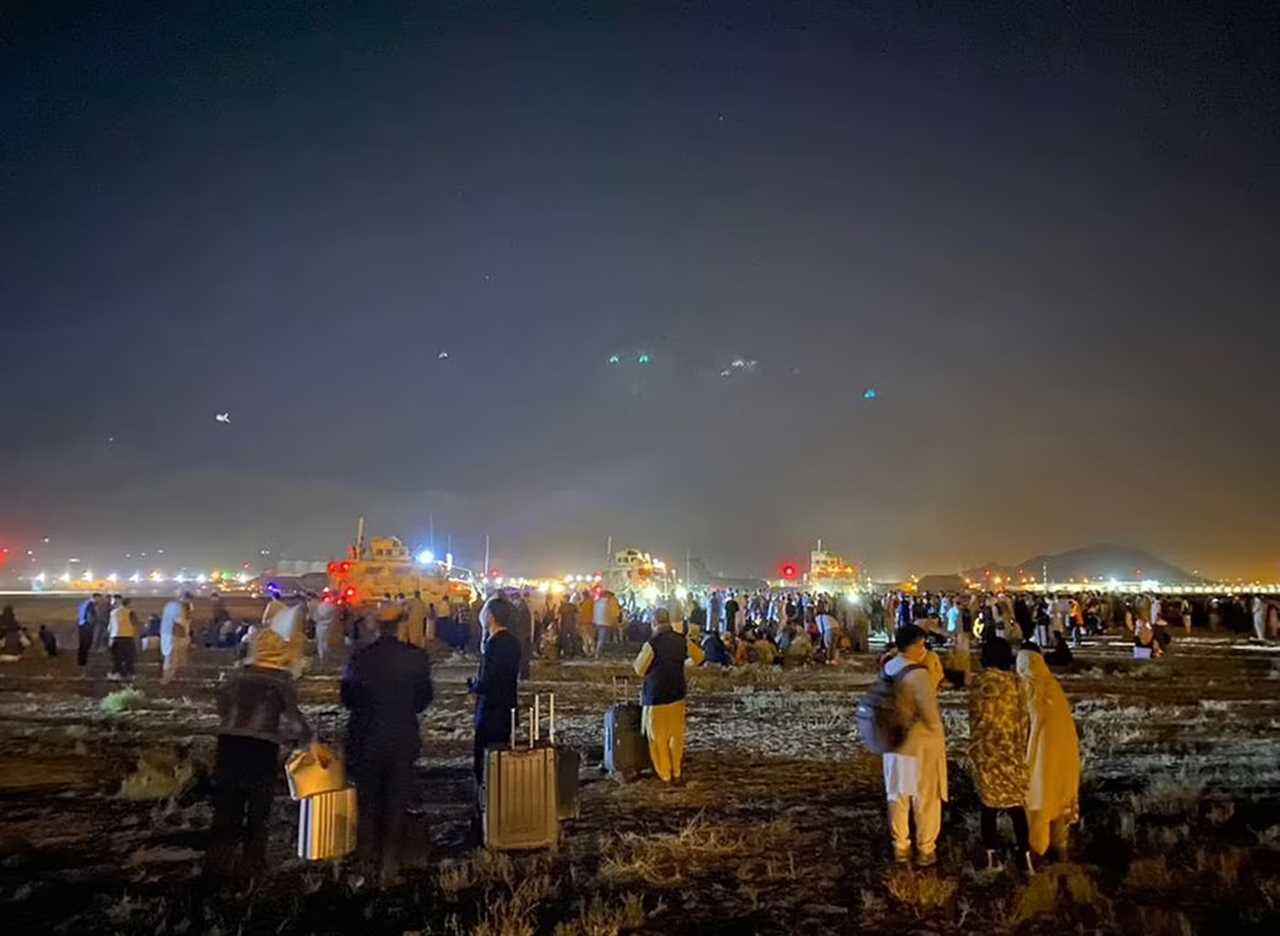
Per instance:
x=789, y=571
x=344, y=567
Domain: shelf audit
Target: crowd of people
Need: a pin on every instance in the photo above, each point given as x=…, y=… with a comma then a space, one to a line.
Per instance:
x=1023, y=752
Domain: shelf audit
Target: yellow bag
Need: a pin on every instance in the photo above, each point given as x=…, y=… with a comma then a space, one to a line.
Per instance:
x=309, y=776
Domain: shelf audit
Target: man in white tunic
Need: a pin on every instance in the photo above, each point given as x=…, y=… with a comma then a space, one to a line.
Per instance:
x=915, y=776
x=175, y=635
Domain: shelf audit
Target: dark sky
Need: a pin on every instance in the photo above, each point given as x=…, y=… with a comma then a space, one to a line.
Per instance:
x=1045, y=233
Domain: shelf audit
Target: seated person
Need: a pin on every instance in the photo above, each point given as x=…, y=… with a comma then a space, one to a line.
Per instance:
x=715, y=651
x=1144, y=641
x=1060, y=655
x=765, y=652
x=799, y=646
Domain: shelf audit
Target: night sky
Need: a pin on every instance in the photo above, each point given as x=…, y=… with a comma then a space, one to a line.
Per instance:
x=1045, y=234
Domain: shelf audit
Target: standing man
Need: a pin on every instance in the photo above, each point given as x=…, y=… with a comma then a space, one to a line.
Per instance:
x=102, y=616
x=586, y=621
x=1259, y=609
x=715, y=615
x=328, y=633
x=218, y=615
x=915, y=775
x=495, y=685
x=731, y=608
x=524, y=632
x=86, y=625
x=661, y=664
x=415, y=621
x=386, y=685
x=274, y=607
x=829, y=627
x=123, y=633
x=175, y=635
x=608, y=616
x=568, y=635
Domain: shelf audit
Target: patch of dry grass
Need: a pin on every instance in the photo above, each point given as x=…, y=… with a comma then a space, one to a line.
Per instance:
x=666, y=859
x=1166, y=837
x=1222, y=866
x=484, y=867
x=598, y=917
x=513, y=915
x=1150, y=874
x=923, y=892
x=1061, y=891
x=1176, y=794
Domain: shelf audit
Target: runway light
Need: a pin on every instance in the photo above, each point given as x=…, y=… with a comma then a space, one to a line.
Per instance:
x=426, y=557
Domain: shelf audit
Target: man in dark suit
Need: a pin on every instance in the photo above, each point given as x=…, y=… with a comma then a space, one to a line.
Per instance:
x=495, y=685
x=523, y=630
x=386, y=685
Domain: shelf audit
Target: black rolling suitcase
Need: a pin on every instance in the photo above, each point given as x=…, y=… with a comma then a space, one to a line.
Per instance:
x=626, y=749
x=568, y=761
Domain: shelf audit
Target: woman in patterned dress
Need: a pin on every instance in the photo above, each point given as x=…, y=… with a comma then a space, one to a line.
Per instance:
x=999, y=725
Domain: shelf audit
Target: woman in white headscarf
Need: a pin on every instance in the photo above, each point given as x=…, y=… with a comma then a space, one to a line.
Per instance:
x=1053, y=757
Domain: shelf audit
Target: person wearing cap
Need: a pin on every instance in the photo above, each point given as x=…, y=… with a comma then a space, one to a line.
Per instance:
x=258, y=712
x=661, y=664
x=175, y=635
x=386, y=685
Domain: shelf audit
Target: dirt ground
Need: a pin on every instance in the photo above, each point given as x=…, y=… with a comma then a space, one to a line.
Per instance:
x=779, y=830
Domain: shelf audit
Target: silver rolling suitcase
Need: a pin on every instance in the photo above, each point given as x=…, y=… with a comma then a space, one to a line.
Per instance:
x=521, y=808
x=327, y=825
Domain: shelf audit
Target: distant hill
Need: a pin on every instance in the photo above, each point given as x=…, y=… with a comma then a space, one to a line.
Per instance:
x=1101, y=561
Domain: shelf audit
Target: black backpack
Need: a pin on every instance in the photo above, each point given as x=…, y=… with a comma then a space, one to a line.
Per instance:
x=879, y=716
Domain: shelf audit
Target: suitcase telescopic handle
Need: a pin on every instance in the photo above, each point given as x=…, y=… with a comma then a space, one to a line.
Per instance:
x=551, y=717
x=513, y=729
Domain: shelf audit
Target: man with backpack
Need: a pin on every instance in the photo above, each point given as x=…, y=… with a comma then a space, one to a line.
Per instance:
x=900, y=719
